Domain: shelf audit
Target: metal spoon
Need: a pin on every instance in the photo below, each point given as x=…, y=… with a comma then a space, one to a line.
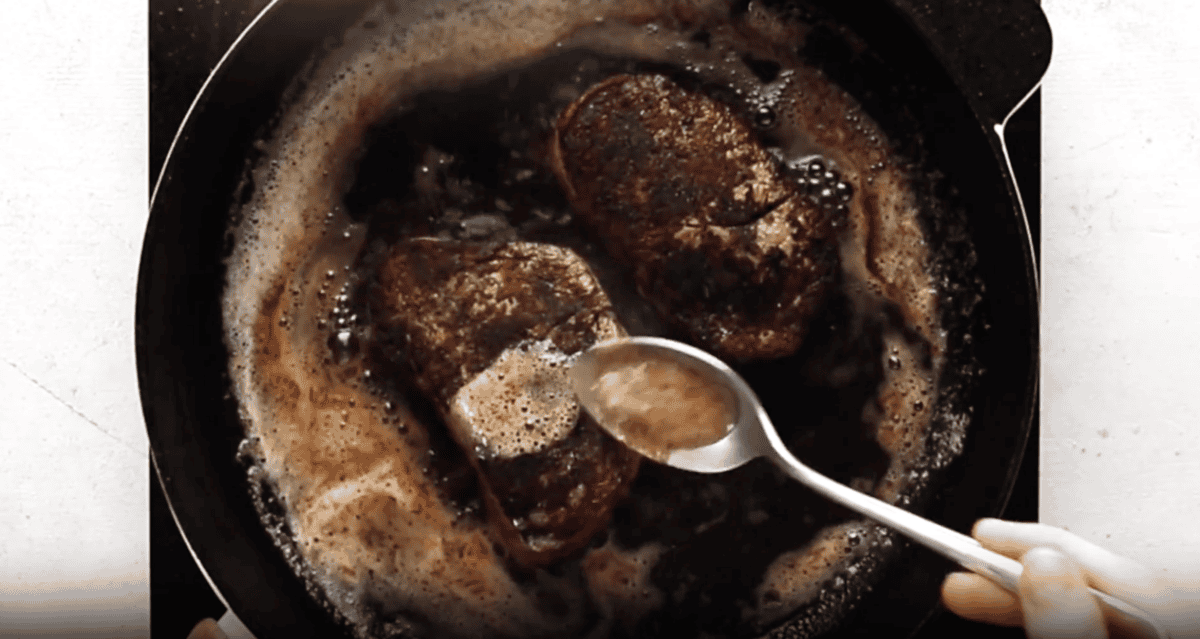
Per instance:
x=752, y=435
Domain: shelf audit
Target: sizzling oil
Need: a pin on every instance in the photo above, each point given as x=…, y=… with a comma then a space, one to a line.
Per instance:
x=375, y=502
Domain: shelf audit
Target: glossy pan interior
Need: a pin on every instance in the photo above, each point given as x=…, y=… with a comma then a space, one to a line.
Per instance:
x=951, y=73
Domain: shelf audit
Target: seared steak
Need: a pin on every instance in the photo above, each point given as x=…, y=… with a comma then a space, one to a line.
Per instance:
x=488, y=332
x=719, y=239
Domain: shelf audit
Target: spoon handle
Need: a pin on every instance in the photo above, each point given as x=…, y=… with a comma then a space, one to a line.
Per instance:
x=968, y=552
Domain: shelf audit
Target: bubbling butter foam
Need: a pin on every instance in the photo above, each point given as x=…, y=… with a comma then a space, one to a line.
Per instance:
x=353, y=469
x=525, y=385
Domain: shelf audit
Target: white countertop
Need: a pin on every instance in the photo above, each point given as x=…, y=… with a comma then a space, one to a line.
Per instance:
x=1120, y=456
x=1121, y=295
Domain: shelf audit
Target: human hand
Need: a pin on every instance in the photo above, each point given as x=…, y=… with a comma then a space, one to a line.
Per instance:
x=1052, y=601
x=207, y=629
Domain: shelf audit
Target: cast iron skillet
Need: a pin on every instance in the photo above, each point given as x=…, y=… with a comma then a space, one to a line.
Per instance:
x=958, y=67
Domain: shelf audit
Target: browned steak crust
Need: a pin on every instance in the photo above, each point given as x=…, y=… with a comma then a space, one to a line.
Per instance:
x=451, y=310
x=460, y=304
x=676, y=185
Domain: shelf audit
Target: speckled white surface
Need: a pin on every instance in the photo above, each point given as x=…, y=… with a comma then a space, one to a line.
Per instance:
x=1121, y=244
x=1120, y=459
x=73, y=491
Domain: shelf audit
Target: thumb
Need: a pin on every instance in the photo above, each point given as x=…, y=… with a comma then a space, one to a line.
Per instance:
x=1055, y=600
x=207, y=629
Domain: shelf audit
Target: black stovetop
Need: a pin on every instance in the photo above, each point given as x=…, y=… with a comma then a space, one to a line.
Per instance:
x=187, y=38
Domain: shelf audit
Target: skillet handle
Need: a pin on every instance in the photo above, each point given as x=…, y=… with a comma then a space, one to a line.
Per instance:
x=997, y=51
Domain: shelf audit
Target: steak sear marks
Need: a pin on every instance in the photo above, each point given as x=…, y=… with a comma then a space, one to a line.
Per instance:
x=723, y=242
x=488, y=331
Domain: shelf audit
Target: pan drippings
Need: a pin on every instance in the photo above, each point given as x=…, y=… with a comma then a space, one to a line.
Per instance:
x=658, y=407
x=433, y=125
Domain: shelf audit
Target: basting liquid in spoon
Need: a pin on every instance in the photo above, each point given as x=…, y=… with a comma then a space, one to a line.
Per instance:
x=683, y=407
x=654, y=405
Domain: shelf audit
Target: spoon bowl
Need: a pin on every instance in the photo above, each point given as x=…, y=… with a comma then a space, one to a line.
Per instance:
x=743, y=435
x=648, y=413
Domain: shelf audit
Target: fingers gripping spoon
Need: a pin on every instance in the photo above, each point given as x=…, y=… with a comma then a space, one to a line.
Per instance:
x=685, y=408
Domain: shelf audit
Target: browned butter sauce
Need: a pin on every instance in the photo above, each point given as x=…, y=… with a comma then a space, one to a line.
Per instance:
x=657, y=406
x=377, y=508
